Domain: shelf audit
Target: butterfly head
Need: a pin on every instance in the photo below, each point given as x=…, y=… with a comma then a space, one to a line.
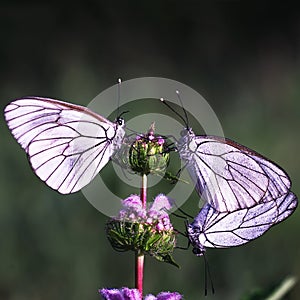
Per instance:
x=187, y=132
x=186, y=136
x=193, y=232
x=120, y=121
x=198, y=251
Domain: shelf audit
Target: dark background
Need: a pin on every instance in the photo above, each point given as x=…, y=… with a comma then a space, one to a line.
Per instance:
x=243, y=57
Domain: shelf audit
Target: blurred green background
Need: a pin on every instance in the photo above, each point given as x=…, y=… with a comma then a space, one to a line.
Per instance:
x=242, y=57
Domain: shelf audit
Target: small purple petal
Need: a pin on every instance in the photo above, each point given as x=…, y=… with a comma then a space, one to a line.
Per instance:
x=166, y=220
x=131, y=294
x=151, y=137
x=133, y=209
x=132, y=216
x=160, y=227
x=150, y=297
x=168, y=227
x=167, y=223
x=160, y=141
x=153, y=214
x=169, y=296
x=141, y=214
x=111, y=294
x=133, y=201
x=149, y=221
x=122, y=214
x=121, y=294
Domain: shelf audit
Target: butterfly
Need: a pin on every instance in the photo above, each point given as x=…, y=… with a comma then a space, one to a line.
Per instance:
x=227, y=175
x=214, y=229
x=66, y=144
x=230, y=176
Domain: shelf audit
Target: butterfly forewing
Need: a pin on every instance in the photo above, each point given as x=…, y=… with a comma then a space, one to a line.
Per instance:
x=230, y=176
x=67, y=144
x=214, y=229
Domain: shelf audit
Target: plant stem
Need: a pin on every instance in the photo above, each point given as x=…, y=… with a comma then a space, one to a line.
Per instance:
x=139, y=257
x=144, y=191
x=139, y=272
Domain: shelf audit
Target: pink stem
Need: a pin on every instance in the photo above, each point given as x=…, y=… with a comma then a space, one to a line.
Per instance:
x=139, y=257
x=139, y=272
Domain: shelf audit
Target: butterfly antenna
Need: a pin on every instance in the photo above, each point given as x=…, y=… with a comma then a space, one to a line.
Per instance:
x=207, y=272
x=174, y=111
x=184, y=213
x=179, y=216
x=184, y=111
x=122, y=113
x=119, y=97
x=134, y=132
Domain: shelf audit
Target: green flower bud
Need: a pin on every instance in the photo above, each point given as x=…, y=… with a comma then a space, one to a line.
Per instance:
x=144, y=230
x=149, y=154
x=142, y=238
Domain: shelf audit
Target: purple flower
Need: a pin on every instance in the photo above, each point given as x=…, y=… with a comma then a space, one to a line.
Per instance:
x=160, y=141
x=164, y=223
x=149, y=221
x=133, y=209
x=169, y=296
x=158, y=210
x=112, y=294
x=151, y=137
x=160, y=226
x=121, y=294
x=133, y=201
x=133, y=294
x=161, y=203
x=146, y=230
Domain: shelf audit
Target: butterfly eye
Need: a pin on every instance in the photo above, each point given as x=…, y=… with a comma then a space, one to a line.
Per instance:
x=184, y=132
x=120, y=121
x=198, y=251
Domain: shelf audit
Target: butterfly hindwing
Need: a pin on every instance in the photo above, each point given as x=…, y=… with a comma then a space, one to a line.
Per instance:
x=214, y=229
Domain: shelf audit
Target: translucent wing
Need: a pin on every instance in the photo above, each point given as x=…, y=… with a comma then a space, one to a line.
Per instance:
x=222, y=230
x=230, y=176
x=67, y=145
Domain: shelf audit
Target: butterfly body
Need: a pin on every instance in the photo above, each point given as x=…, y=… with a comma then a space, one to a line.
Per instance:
x=230, y=176
x=67, y=144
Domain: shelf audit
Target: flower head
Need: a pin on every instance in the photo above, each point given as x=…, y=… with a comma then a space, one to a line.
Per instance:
x=167, y=296
x=120, y=294
x=133, y=294
x=132, y=209
x=157, y=213
x=149, y=153
x=161, y=203
x=143, y=230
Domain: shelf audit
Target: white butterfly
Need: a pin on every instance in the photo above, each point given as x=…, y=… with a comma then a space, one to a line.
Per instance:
x=230, y=176
x=214, y=229
x=227, y=175
x=67, y=144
